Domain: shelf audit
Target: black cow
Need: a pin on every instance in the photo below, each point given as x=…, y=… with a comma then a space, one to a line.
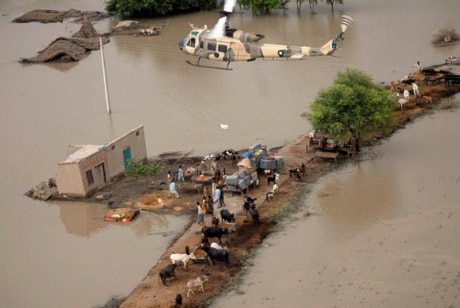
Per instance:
x=167, y=273
x=226, y=216
x=215, y=254
x=210, y=232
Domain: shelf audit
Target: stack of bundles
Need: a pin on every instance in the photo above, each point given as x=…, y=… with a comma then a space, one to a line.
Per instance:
x=232, y=180
x=244, y=178
x=267, y=164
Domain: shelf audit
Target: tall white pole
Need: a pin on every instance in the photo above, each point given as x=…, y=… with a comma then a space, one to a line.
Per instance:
x=107, y=103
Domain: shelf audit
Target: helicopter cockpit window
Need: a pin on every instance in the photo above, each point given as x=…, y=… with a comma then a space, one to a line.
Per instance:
x=222, y=48
x=211, y=46
x=191, y=42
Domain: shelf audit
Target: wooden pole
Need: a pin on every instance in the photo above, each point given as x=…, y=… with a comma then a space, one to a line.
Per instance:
x=107, y=103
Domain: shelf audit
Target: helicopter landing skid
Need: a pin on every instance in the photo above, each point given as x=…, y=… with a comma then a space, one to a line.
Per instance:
x=209, y=66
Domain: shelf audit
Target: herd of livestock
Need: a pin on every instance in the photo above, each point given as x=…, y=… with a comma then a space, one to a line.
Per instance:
x=212, y=252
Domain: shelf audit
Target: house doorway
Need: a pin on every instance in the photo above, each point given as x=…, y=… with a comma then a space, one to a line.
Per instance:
x=126, y=157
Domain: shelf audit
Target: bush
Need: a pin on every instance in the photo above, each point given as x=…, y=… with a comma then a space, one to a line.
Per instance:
x=140, y=168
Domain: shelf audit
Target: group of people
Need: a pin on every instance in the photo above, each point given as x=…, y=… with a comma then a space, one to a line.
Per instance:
x=207, y=204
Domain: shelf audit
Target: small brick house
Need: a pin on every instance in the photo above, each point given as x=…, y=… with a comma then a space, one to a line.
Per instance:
x=88, y=167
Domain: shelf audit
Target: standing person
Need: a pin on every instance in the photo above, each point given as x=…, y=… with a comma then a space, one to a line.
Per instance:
x=210, y=206
x=216, y=198
x=204, y=206
x=213, y=166
x=418, y=66
x=200, y=218
x=180, y=174
x=222, y=203
x=169, y=176
x=173, y=190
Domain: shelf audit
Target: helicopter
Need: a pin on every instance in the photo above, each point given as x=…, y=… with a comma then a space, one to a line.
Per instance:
x=223, y=43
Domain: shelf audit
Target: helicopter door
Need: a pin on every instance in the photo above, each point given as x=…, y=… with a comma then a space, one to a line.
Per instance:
x=191, y=45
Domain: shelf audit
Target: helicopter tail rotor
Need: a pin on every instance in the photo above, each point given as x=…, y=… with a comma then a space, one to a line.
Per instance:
x=344, y=24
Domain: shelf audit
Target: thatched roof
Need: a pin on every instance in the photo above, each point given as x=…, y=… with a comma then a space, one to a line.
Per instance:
x=71, y=49
x=48, y=16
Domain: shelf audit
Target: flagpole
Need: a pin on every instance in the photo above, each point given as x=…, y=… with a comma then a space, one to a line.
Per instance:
x=107, y=103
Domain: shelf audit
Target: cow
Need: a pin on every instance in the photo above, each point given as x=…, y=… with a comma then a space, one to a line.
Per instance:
x=216, y=255
x=226, y=216
x=210, y=232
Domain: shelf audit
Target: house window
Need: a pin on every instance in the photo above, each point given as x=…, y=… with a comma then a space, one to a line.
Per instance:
x=89, y=177
x=222, y=48
x=211, y=46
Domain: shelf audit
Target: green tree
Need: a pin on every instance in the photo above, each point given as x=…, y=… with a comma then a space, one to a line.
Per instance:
x=352, y=107
x=130, y=8
x=333, y=2
x=263, y=6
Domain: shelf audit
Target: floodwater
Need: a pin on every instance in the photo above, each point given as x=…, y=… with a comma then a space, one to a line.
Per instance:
x=60, y=254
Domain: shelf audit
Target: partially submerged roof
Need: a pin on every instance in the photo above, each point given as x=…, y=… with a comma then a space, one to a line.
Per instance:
x=81, y=152
x=71, y=49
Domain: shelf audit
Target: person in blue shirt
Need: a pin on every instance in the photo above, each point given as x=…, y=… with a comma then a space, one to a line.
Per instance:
x=216, y=198
x=173, y=190
x=180, y=174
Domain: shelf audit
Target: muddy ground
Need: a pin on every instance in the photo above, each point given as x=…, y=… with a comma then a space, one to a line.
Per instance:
x=142, y=193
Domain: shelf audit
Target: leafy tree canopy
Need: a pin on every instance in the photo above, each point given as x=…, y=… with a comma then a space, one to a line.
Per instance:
x=352, y=107
x=131, y=8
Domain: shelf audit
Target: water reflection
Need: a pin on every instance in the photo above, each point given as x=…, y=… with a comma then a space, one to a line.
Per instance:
x=82, y=219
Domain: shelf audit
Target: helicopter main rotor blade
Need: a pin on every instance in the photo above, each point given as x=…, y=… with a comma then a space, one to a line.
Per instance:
x=219, y=28
x=229, y=5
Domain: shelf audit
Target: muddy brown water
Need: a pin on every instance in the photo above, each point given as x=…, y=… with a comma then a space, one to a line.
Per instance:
x=59, y=254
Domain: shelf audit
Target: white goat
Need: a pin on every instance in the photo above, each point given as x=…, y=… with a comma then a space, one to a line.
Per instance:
x=197, y=282
x=181, y=257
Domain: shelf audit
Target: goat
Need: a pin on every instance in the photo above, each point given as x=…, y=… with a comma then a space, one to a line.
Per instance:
x=255, y=215
x=178, y=301
x=248, y=204
x=198, y=282
x=216, y=255
x=226, y=216
x=230, y=153
x=428, y=99
x=182, y=257
x=294, y=172
x=273, y=178
x=269, y=196
x=215, y=221
x=213, y=232
x=161, y=203
x=167, y=273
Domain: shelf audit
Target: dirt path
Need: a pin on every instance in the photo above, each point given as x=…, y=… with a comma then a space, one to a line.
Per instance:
x=151, y=293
